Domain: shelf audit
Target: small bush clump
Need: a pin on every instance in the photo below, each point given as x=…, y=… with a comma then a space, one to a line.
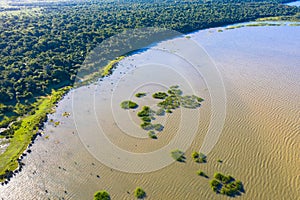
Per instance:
x=152, y=135
x=160, y=112
x=201, y=173
x=139, y=193
x=101, y=195
x=199, y=157
x=178, y=155
x=158, y=127
x=159, y=95
x=147, y=126
x=140, y=94
x=129, y=105
x=226, y=185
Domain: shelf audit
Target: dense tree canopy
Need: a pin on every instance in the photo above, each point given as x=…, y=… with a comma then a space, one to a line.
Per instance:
x=43, y=50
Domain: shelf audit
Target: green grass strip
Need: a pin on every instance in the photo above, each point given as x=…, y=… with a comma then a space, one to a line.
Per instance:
x=26, y=130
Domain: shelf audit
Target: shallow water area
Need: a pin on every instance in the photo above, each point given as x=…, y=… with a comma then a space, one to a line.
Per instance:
x=258, y=144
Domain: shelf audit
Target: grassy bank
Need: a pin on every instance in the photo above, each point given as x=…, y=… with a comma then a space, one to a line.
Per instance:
x=26, y=130
x=107, y=70
x=102, y=72
x=291, y=18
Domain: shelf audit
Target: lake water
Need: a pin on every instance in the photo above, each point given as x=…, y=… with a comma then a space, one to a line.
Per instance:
x=259, y=143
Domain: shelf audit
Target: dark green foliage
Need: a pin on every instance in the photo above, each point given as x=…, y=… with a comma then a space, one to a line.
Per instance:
x=146, y=126
x=159, y=95
x=146, y=119
x=152, y=135
x=178, y=155
x=158, y=127
x=171, y=102
x=146, y=112
x=140, y=94
x=215, y=185
x=129, y=105
x=139, y=193
x=101, y=195
x=45, y=51
x=199, y=157
x=226, y=185
x=224, y=179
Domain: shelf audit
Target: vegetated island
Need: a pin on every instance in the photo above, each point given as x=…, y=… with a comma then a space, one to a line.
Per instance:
x=170, y=100
x=38, y=56
x=101, y=195
x=226, y=185
x=129, y=105
x=199, y=157
x=139, y=193
x=178, y=155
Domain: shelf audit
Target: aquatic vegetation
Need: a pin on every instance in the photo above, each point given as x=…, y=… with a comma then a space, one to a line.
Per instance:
x=215, y=185
x=152, y=135
x=220, y=161
x=160, y=112
x=178, y=155
x=146, y=126
x=146, y=112
x=159, y=95
x=202, y=158
x=158, y=127
x=199, y=157
x=101, y=195
x=146, y=119
x=170, y=101
x=226, y=185
x=201, y=173
x=195, y=156
x=66, y=114
x=139, y=193
x=128, y=105
x=140, y=94
x=56, y=123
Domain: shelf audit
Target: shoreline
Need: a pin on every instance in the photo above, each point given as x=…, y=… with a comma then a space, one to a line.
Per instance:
x=25, y=133
x=61, y=163
x=13, y=162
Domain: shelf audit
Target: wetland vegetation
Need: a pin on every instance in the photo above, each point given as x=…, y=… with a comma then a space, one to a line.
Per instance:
x=199, y=157
x=101, y=195
x=140, y=94
x=128, y=105
x=45, y=51
x=226, y=185
x=139, y=193
x=171, y=100
x=178, y=155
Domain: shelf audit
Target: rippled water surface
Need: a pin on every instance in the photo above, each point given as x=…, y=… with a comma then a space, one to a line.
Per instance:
x=259, y=145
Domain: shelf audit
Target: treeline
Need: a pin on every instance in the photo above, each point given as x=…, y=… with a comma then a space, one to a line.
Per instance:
x=44, y=51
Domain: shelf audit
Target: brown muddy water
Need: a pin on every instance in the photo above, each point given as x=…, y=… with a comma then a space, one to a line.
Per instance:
x=259, y=144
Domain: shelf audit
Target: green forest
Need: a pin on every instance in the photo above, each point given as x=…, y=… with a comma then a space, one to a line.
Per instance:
x=43, y=51
x=43, y=47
